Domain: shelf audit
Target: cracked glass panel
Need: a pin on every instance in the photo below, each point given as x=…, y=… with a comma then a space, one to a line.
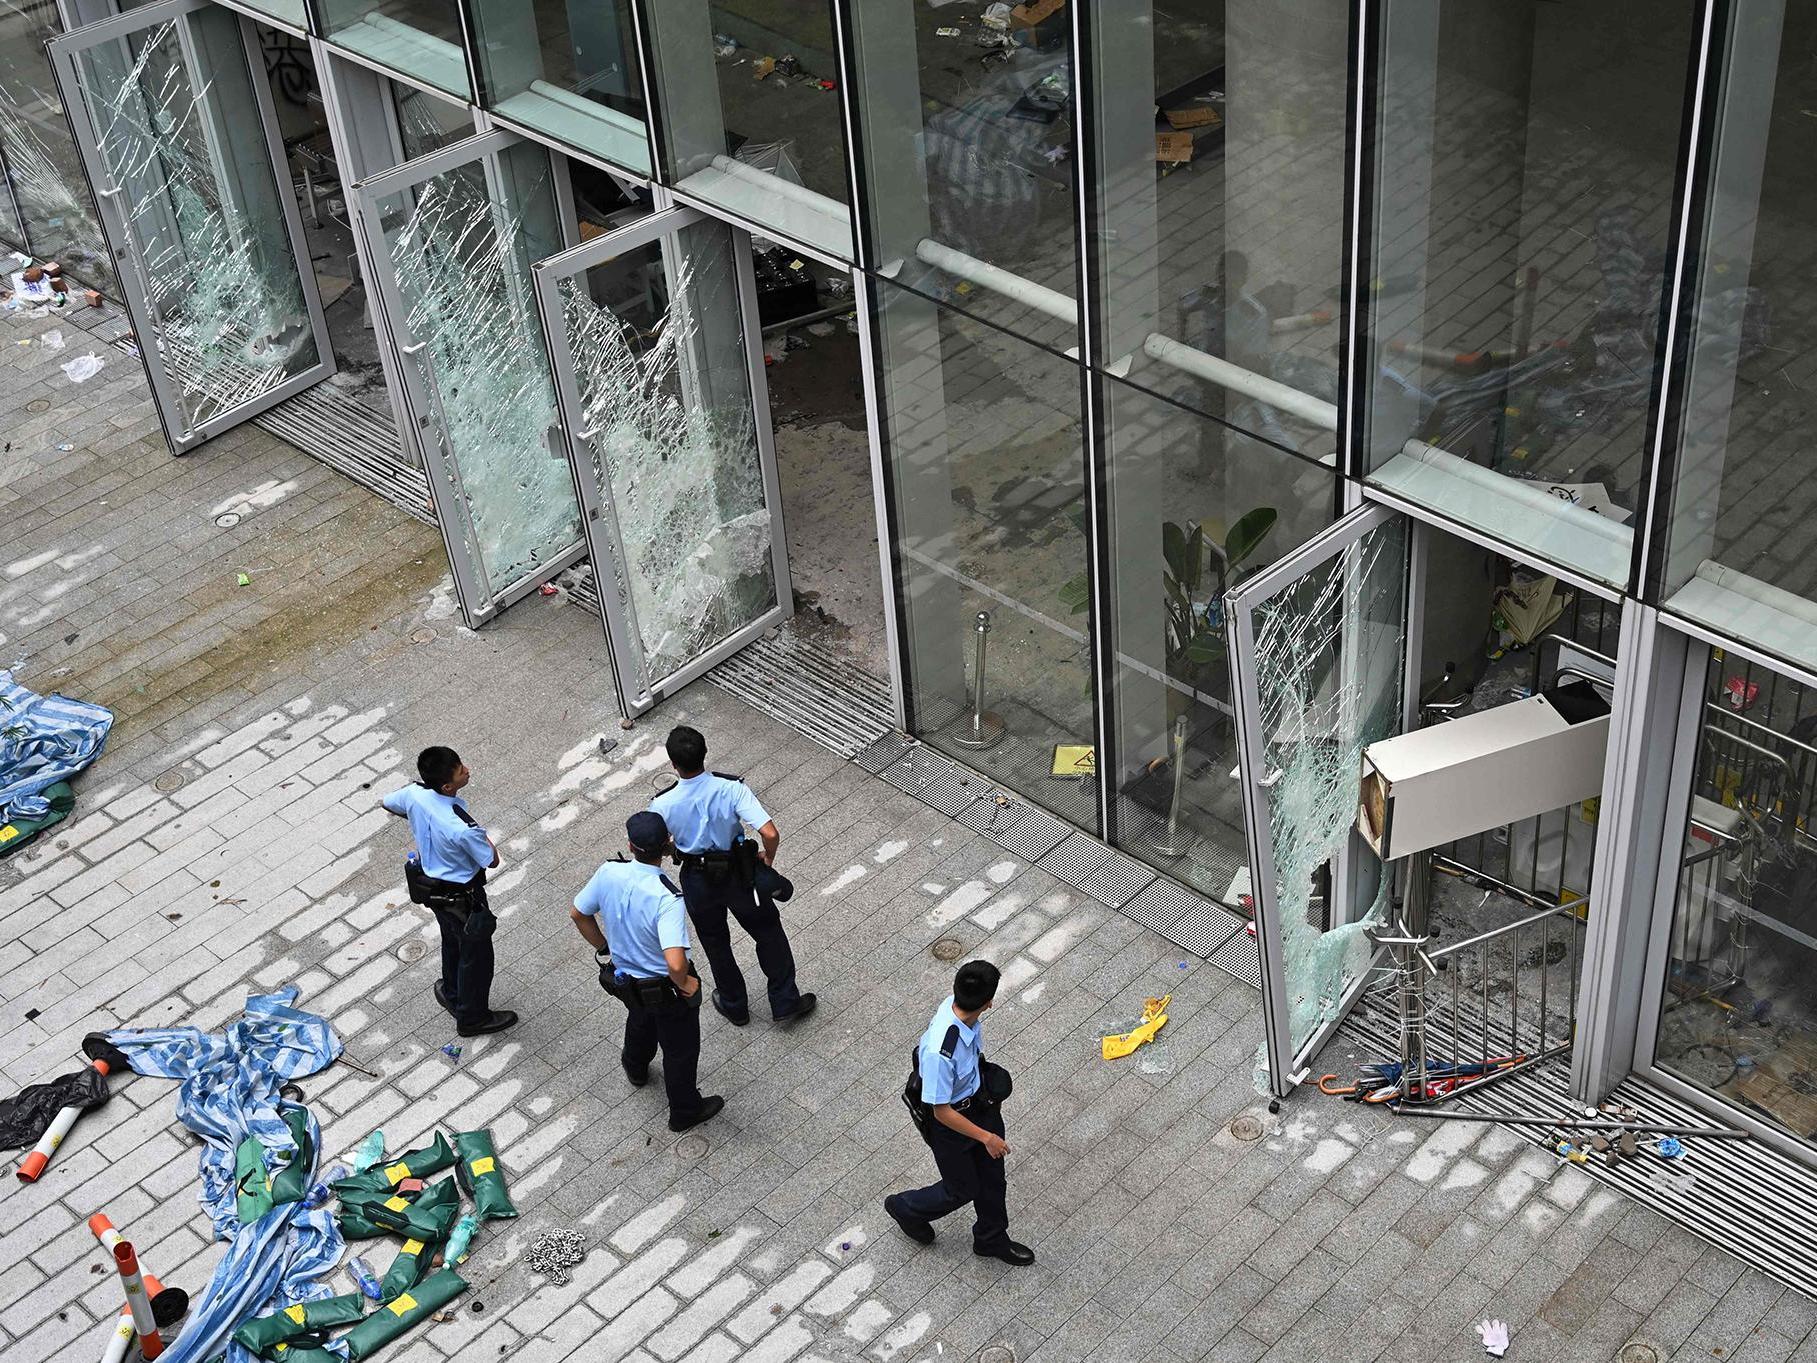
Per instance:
x=1328, y=658
x=668, y=439
x=461, y=259
x=186, y=162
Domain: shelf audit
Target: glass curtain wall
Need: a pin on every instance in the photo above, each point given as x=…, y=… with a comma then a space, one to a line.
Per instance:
x=568, y=68
x=751, y=113
x=1523, y=201
x=1742, y=551
x=56, y=217
x=987, y=459
x=1738, y=1014
x=417, y=38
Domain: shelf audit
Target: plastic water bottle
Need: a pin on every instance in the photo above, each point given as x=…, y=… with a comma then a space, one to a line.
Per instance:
x=461, y=1238
x=371, y=1151
x=365, y=1277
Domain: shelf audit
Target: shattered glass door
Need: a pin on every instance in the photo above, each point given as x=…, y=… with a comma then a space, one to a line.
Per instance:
x=179, y=142
x=454, y=234
x=1318, y=645
x=653, y=333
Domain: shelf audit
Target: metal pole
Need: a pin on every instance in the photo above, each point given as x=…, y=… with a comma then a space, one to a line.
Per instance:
x=1713, y=1133
x=1169, y=844
x=984, y=729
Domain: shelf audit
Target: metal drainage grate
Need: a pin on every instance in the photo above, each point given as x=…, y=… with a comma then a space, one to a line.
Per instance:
x=885, y=750
x=1075, y=860
x=813, y=690
x=1239, y=957
x=1184, y=918
x=1021, y=830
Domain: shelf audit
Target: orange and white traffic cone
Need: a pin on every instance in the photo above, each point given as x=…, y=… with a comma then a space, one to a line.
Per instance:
x=151, y=1343
x=33, y=1164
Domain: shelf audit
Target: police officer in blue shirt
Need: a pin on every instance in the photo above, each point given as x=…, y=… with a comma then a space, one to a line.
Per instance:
x=633, y=916
x=454, y=854
x=707, y=813
x=965, y=1126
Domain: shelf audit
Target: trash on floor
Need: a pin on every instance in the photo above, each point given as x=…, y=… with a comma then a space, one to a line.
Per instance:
x=1495, y=1336
x=554, y=1252
x=42, y=1114
x=44, y=742
x=1154, y=1018
x=83, y=368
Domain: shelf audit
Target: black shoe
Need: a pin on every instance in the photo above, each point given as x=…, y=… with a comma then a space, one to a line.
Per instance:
x=708, y=1109
x=638, y=1077
x=738, y=1017
x=441, y=997
x=803, y=1006
x=1021, y=1256
x=495, y=1021
x=912, y=1226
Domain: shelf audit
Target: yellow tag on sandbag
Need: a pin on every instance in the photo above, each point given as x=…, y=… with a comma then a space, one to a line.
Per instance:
x=397, y=1204
x=295, y=1312
x=412, y=1247
x=485, y=1164
x=402, y=1304
x=397, y=1173
x=8, y=832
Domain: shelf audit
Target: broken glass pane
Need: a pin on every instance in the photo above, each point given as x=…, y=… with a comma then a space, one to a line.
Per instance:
x=461, y=258
x=667, y=430
x=185, y=161
x=1328, y=671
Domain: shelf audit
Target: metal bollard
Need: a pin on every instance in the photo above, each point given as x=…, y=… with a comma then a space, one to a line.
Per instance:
x=1165, y=840
x=982, y=728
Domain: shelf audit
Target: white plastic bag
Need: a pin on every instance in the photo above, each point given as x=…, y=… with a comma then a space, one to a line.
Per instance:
x=84, y=367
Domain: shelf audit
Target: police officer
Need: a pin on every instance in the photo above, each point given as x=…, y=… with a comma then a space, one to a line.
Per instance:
x=707, y=813
x=455, y=853
x=966, y=1130
x=632, y=911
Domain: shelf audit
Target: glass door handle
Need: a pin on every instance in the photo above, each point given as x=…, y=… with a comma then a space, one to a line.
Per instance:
x=412, y=349
x=1271, y=780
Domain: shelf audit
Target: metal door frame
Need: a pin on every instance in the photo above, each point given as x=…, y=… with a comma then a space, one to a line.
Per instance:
x=1285, y=1061
x=117, y=230
x=419, y=395
x=599, y=521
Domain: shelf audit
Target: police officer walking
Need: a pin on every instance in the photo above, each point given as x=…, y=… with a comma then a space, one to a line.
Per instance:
x=962, y=1121
x=633, y=916
x=722, y=872
x=449, y=877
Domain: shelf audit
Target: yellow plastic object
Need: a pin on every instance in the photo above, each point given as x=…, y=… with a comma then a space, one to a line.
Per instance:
x=1154, y=1018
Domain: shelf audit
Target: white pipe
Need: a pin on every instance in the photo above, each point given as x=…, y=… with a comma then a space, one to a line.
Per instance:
x=408, y=33
x=1520, y=490
x=587, y=108
x=1013, y=286
x=784, y=189
x=1760, y=593
x=1192, y=360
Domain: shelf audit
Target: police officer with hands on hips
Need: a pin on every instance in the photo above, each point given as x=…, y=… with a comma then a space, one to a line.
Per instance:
x=722, y=872
x=632, y=915
x=959, y=1112
x=448, y=875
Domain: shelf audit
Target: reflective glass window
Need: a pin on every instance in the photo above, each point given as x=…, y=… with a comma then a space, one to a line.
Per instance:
x=568, y=68
x=418, y=38
x=426, y=123
x=1738, y=1013
x=986, y=456
x=1743, y=542
x=56, y=214
x=1195, y=508
x=750, y=102
x=1220, y=126
x=1523, y=205
x=966, y=138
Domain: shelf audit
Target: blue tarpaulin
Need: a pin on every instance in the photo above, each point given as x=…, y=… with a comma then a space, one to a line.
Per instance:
x=229, y=1093
x=43, y=740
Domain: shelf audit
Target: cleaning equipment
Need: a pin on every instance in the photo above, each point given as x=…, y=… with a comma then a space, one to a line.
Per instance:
x=307, y=1320
x=412, y=1263
x=78, y=1093
x=479, y=1173
x=1154, y=1018
x=144, y=1323
x=395, y=1317
x=377, y=1178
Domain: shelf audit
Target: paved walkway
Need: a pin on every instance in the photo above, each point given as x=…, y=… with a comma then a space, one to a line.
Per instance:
x=229, y=841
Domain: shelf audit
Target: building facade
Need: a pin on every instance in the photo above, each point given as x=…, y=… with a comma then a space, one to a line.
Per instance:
x=1242, y=383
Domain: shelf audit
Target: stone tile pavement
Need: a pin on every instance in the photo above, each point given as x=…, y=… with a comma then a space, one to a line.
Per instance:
x=229, y=841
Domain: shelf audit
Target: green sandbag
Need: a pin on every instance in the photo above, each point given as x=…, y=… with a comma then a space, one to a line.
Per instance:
x=431, y=1159
x=480, y=1175
x=291, y=1183
x=16, y=833
x=251, y=1183
x=302, y=1353
x=303, y=1320
x=356, y=1227
x=396, y=1317
x=412, y=1264
x=428, y=1218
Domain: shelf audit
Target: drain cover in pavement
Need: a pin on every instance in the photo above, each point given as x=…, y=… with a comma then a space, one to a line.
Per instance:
x=38, y=405
x=1638, y=1353
x=1246, y=1128
x=422, y=636
x=996, y=1353
x=948, y=949
x=227, y=520
x=411, y=951
x=169, y=781
x=691, y=1147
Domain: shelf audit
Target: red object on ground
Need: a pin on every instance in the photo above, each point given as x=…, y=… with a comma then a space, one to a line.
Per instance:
x=33, y=1164
x=151, y=1343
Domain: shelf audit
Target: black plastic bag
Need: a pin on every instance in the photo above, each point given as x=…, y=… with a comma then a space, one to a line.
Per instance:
x=24, y=1118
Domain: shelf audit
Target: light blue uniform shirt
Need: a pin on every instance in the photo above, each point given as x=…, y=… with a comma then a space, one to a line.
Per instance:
x=706, y=813
x=450, y=848
x=641, y=914
x=943, y=1080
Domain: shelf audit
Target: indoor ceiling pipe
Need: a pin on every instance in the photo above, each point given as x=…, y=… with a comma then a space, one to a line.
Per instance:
x=784, y=189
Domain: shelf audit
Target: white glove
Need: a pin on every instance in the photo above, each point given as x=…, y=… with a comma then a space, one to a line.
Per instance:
x=1495, y=1336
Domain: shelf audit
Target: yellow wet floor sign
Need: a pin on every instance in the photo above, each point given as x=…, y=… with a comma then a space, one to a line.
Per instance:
x=1154, y=1017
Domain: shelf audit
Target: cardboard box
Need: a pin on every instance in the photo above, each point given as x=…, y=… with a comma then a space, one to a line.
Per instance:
x=1193, y=116
x=1031, y=14
x=1173, y=147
